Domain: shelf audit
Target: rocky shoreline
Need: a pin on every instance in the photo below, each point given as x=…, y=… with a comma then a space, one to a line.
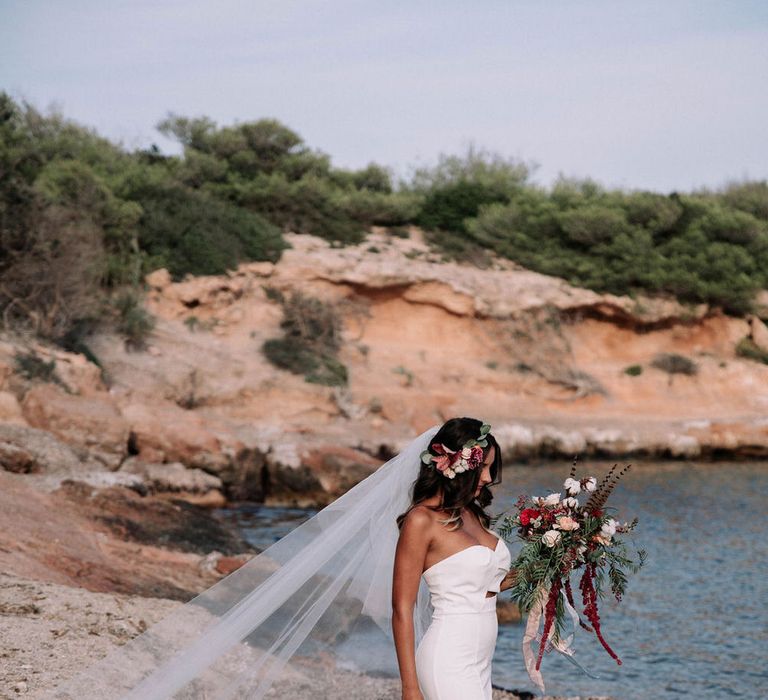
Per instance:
x=87, y=567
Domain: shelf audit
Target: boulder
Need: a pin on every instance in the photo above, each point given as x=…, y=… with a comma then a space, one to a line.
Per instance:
x=218, y=563
x=10, y=409
x=337, y=469
x=17, y=459
x=759, y=333
x=92, y=422
x=158, y=279
x=161, y=431
x=173, y=477
x=72, y=370
x=33, y=450
x=246, y=476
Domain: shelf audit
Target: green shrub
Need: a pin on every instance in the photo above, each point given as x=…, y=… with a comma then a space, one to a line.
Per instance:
x=134, y=322
x=329, y=372
x=317, y=367
x=672, y=363
x=495, y=173
x=194, y=324
x=592, y=224
x=379, y=209
x=190, y=232
x=458, y=187
x=311, y=342
x=31, y=366
x=633, y=370
x=446, y=208
x=751, y=197
x=406, y=373
x=654, y=212
x=750, y=350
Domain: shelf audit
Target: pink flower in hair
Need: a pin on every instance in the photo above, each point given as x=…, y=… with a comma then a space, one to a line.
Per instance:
x=446, y=456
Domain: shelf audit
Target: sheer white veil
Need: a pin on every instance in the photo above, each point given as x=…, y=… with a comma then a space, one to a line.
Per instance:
x=316, y=600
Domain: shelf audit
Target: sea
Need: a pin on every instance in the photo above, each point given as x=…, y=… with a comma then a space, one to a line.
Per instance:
x=694, y=620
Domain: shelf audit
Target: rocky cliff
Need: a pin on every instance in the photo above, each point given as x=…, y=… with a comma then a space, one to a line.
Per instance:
x=557, y=370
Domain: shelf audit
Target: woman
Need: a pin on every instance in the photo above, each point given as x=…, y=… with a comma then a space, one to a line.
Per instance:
x=444, y=538
x=320, y=599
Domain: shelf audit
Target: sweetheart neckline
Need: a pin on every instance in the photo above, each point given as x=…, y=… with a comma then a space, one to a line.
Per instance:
x=450, y=556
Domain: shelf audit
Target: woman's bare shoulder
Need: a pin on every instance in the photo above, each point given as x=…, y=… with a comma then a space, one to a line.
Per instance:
x=419, y=521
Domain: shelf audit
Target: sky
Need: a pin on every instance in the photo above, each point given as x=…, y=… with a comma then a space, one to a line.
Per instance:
x=669, y=95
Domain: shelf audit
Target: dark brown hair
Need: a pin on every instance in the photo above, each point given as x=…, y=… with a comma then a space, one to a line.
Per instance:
x=459, y=492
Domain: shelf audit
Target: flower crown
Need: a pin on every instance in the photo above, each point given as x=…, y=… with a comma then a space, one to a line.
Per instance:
x=452, y=462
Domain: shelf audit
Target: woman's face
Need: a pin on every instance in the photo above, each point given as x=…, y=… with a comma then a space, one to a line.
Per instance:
x=485, y=474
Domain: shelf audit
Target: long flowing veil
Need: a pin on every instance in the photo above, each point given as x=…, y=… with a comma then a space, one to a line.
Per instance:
x=316, y=600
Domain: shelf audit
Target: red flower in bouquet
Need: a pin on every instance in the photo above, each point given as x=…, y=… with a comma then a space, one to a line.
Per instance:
x=527, y=515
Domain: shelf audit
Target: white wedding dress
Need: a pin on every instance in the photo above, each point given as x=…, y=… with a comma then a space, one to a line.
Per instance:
x=453, y=660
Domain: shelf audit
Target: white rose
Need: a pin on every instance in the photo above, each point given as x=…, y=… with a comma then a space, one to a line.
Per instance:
x=609, y=527
x=571, y=502
x=590, y=484
x=551, y=537
x=449, y=473
x=567, y=523
x=466, y=452
x=552, y=500
x=572, y=486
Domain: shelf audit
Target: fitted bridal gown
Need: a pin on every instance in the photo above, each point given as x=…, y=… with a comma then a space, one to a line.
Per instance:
x=453, y=660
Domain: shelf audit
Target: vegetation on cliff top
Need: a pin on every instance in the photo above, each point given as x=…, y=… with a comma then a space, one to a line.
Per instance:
x=82, y=218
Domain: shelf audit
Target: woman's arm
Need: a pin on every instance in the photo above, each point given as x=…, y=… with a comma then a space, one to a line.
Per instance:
x=409, y=564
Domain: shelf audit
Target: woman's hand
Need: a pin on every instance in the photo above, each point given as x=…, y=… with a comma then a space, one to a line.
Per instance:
x=509, y=580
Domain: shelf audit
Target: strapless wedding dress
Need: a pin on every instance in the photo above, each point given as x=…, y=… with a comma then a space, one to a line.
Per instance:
x=453, y=660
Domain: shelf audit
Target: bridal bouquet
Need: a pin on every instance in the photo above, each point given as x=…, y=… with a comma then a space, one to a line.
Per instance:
x=561, y=537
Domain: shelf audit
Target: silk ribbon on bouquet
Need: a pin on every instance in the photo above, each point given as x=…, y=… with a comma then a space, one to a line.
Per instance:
x=531, y=634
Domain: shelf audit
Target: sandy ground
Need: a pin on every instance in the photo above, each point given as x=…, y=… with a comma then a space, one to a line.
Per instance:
x=50, y=631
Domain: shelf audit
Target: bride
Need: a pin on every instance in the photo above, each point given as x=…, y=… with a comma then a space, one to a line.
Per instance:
x=316, y=607
x=444, y=538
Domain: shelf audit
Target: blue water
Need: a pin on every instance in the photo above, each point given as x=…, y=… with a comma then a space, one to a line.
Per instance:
x=694, y=621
